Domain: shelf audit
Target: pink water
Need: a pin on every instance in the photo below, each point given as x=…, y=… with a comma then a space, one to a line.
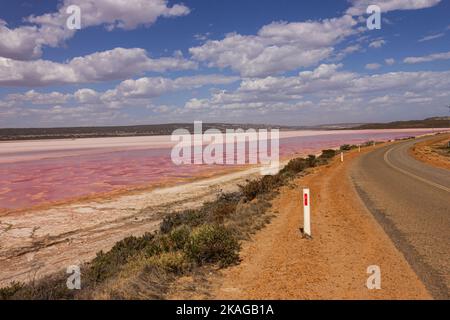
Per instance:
x=70, y=174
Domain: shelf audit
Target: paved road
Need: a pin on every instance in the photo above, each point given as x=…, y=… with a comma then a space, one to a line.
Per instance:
x=411, y=200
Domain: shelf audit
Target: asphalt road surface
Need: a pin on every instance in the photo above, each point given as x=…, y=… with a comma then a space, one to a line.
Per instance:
x=411, y=200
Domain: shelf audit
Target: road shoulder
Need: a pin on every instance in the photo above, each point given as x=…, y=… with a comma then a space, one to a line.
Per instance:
x=433, y=151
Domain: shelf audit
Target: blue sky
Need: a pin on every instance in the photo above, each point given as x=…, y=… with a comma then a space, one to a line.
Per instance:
x=253, y=61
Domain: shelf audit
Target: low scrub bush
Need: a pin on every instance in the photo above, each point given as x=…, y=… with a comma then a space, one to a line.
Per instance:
x=213, y=244
x=106, y=264
x=172, y=262
x=191, y=218
x=9, y=292
x=211, y=212
x=262, y=186
x=328, y=153
x=298, y=165
x=179, y=237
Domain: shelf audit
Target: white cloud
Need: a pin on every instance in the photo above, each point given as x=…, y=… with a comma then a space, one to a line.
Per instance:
x=156, y=86
x=118, y=63
x=373, y=66
x=322, y=93
x=87, y=96
x=352, y=48
x=428, y=58
x=432, y=37
x=381, y=100
x=390, y=61
x=327, y=87
x=90, y=107
x=278, y=47
x=359, y=7
x=114, y=13
x=26, y=42
x=346, y=51
x=39, y=98
x=377, y=43
x=125, y=93
x=202, y=36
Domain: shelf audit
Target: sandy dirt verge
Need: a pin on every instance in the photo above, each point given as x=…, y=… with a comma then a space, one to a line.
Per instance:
x=433, y=151
x=278, y=264
x=36, y=243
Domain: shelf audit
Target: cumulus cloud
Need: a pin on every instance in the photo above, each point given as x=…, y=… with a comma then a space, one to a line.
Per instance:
x=328, y=86
x=124, y=93
x=118, y=63
x=377, y=43
x=373, y=66
x=359, y=7
x=278, y=47
x=318, y=93
x=428, y=58
x=390, y=61
x=87, y=96
x=150, y=87
x=39, y=98
x=26, y=42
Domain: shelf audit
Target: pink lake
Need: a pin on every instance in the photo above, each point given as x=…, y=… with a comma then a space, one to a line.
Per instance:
x=39, y=172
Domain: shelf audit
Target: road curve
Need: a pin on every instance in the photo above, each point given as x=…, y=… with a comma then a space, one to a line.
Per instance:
x=411, y=200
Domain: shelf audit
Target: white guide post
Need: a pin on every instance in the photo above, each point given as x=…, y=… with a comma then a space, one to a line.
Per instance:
x=306, y=212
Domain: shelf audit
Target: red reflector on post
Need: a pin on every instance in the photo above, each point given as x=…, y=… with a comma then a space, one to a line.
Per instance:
x=306, y=199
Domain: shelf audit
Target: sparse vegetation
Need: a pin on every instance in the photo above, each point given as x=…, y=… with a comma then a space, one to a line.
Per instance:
x=348, y=147
x=328, y=154
x=212, y=244
x=145, y=266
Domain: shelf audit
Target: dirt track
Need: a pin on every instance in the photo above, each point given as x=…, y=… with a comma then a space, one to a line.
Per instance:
x=279, y=264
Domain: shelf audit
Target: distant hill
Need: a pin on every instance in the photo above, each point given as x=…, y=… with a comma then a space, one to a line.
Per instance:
x=119, y=131
x=9, y=134
x=435, y=122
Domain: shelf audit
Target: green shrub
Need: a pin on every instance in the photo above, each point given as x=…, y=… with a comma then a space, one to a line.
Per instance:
x=7, y=293
x=223, y=207
x=312, y=159
x=173, y=262
x=179, y=237
x=213, y=244
x=262, y=186
x=368, y=143
x=191, y=218
x=328, y=153
x=48, y=288
x=211, y=212
x=296, y=165
x=107, y=264
x=251, y=189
